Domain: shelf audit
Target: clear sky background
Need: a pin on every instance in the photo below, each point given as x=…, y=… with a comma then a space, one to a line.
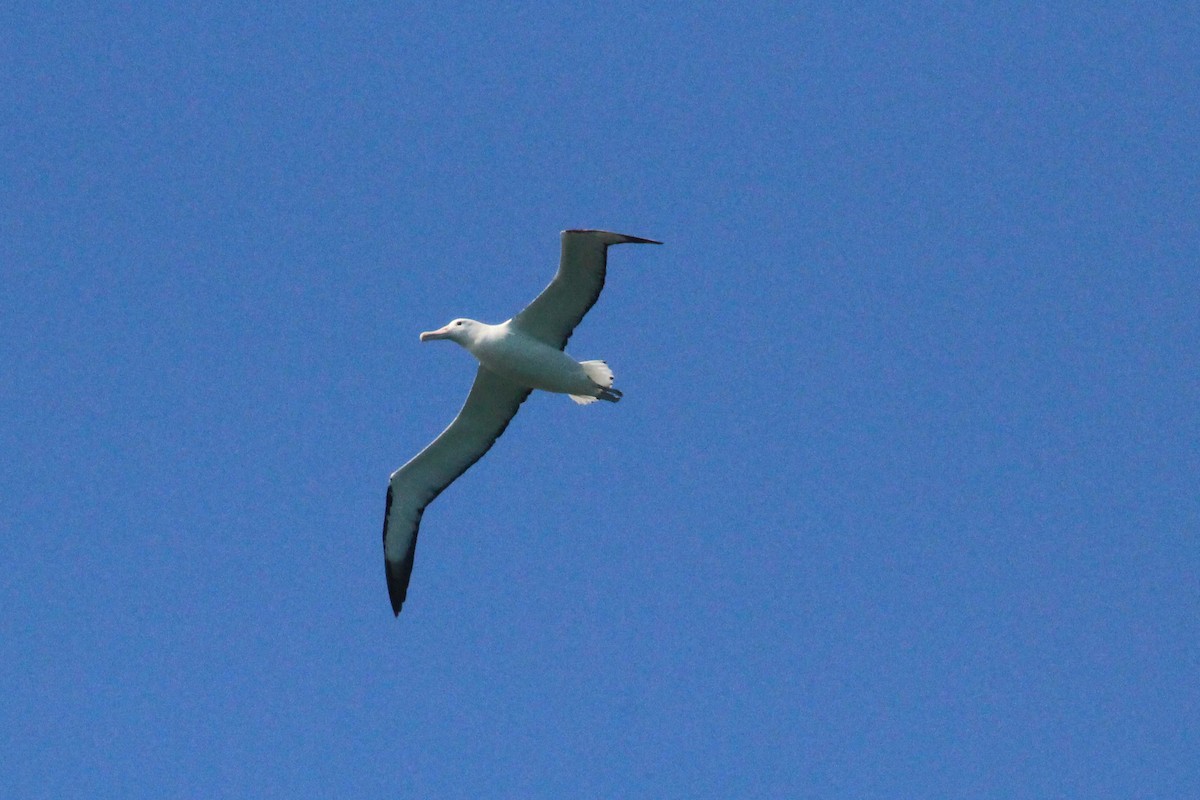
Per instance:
x=903, y=498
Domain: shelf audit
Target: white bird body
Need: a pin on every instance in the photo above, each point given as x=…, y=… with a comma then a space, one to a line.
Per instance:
x=523, y=359
x=515, y=357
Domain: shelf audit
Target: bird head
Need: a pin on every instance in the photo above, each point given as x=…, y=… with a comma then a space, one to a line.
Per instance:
x=459, y=330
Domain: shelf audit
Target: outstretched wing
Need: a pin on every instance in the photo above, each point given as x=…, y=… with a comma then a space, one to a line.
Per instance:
x=491, y=405
x=554, y=313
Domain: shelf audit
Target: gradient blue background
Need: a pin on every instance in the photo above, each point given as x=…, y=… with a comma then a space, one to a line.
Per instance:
x=902, y=500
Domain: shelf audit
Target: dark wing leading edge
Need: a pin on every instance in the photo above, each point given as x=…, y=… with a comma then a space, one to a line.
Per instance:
x=554, y=313
x=490, y=406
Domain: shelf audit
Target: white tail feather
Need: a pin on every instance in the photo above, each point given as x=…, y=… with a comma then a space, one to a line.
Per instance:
x=599, y=372
x=602, y=376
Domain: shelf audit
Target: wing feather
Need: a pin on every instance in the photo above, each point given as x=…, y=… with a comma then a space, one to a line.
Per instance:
x=553, y=314
x=491, y=404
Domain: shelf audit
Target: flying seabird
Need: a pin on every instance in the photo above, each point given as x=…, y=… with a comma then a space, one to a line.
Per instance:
x=515, y=357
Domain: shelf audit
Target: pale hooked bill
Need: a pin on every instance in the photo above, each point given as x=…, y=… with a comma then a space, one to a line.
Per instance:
x=515, y=357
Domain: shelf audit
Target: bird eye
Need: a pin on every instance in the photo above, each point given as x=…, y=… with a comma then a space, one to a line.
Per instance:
x=459, y=323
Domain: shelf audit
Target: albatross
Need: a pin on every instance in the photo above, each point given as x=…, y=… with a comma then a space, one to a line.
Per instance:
x=515, y=357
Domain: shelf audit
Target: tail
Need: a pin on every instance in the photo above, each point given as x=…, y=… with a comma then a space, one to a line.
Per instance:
x=602, y=376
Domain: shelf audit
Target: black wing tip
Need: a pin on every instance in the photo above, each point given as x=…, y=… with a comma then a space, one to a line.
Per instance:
x=398, y=577
x=618, y=238
x=398, y=573
x=397, y=589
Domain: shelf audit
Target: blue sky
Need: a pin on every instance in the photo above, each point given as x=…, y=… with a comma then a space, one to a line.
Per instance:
x=902, y=499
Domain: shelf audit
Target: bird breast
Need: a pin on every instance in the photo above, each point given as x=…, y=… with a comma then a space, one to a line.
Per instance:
x=529, y=362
